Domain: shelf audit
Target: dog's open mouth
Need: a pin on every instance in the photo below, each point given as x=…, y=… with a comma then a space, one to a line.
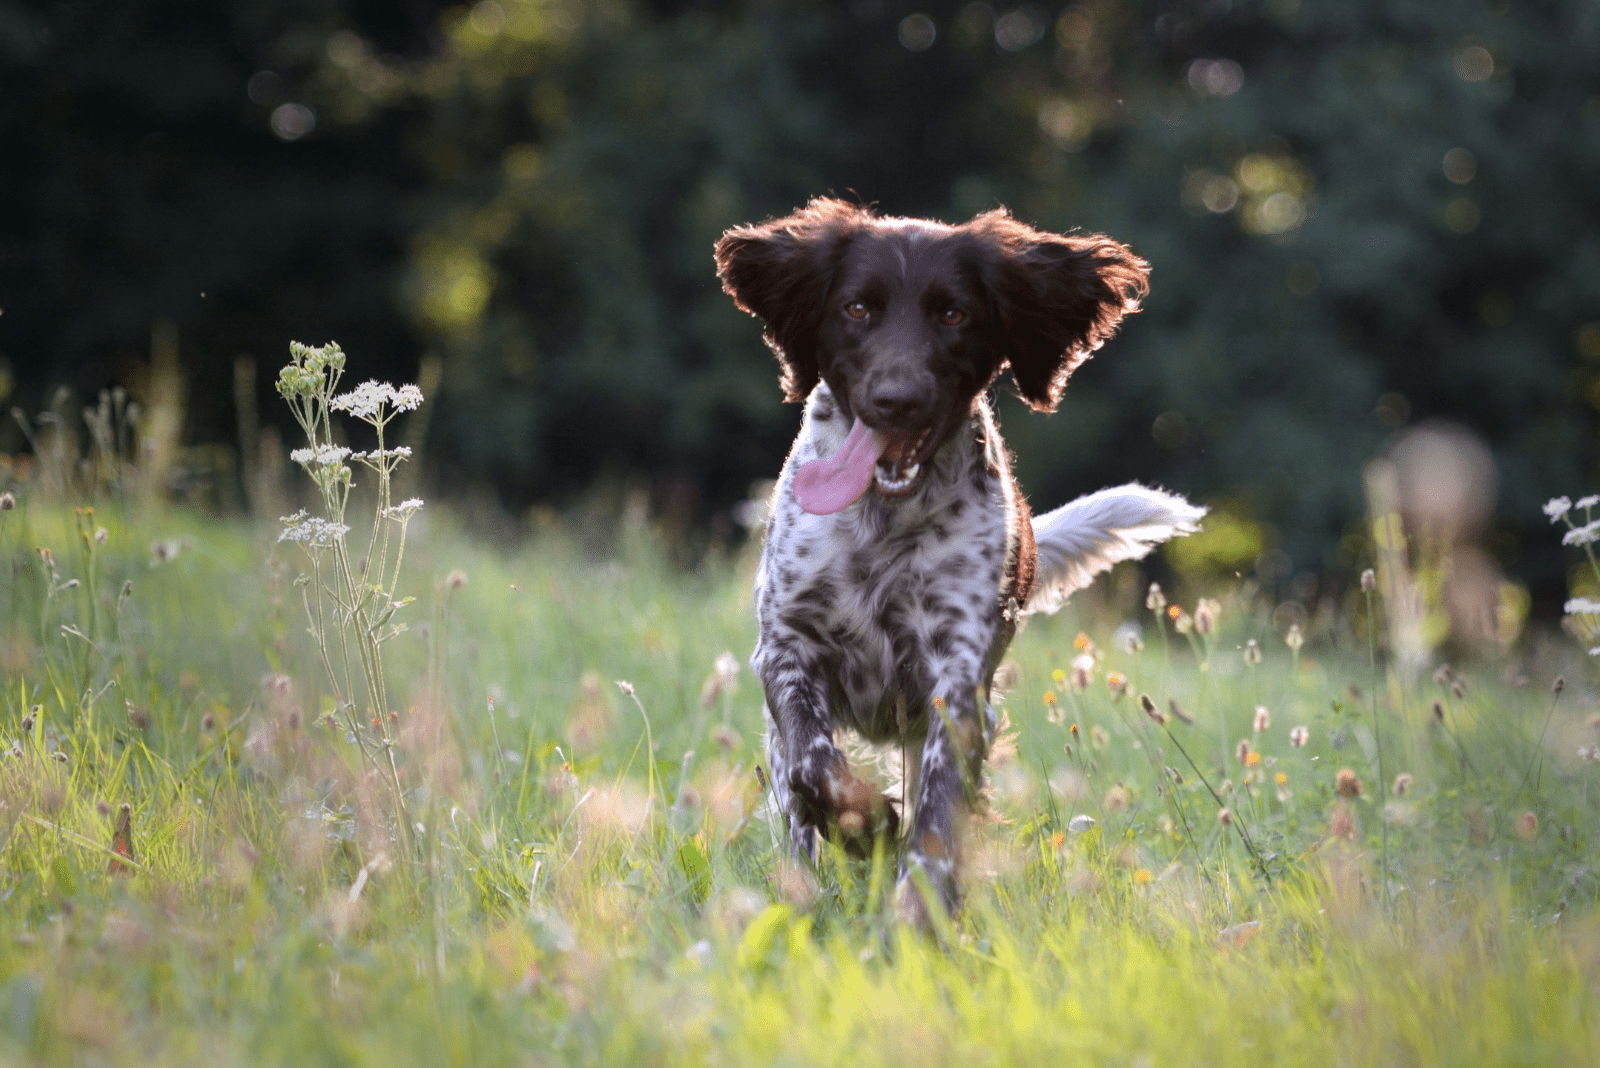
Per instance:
x=900, y=463
x=888, y=460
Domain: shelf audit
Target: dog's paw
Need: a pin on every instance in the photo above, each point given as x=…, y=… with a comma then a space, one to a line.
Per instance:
x=927, y=886
x=832, y=798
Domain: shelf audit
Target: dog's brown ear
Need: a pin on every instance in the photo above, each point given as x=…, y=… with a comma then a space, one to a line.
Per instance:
x=781, y=271
x=1057, y=298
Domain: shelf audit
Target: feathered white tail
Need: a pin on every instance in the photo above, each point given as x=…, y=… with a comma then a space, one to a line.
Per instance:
x=1079, y=540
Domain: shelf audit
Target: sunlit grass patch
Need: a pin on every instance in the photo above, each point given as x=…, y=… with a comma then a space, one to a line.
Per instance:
x=575, y=897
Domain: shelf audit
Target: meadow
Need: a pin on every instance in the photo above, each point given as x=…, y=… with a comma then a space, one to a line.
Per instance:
x=1219, y=832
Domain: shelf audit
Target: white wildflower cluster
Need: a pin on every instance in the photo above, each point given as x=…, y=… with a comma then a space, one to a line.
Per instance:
x=1582, y=606
x=404, y=510
x=366, y=401
x=310, y=530
x=1584, y=535
x=402, y=452
x=1557, y=508
x=323, y=454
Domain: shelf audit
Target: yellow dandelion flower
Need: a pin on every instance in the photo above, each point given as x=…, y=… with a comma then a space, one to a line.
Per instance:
x=1059, y=675
x=1252, y=758
x=1281, y=778
x=1143, y=876
x=1081, y=642
x=1056, y=839
x=1049, y=697
x=1173, y=611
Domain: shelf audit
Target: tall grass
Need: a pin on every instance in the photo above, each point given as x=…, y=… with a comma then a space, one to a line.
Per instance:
x=592, y=892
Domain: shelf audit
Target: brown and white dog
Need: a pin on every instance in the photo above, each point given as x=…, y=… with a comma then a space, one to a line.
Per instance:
x=900, y=555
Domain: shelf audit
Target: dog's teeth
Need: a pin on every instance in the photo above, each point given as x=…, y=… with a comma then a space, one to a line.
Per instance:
x=911, y=472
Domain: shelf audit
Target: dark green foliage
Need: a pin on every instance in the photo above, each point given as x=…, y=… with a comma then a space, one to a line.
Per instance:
x=531, y=191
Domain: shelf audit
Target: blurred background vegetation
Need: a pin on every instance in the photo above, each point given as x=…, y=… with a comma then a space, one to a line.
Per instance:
x=1363, y=217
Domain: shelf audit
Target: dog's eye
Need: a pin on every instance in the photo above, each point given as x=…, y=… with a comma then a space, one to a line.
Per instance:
x=856, y=310
x=953, y=317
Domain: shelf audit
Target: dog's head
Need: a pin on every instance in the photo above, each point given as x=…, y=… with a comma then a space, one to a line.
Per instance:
x=909, y=321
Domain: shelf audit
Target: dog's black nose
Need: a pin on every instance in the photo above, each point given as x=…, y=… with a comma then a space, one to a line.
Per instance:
x=899, y=403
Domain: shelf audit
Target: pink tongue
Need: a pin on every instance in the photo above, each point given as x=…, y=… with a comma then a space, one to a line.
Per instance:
x=834, y=483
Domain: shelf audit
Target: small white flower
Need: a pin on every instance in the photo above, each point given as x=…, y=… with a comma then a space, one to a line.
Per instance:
x=376, y=455
x=407, y=398
x=366, y=401
x=1556, y=507
x=1587, y=502
x=312, y=530
x=1582, y=535
x=1582, y=606
x=323, y=454
x=1595, y=651
x=404, y=509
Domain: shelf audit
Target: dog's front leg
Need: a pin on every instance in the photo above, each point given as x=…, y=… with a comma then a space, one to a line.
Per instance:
x=811, y=781
x=949, y=772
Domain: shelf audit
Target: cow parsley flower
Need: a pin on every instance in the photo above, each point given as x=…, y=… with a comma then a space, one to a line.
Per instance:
x=404, y=510
x=407, y=398
x=366, y=401
x=310, y=530
x=1557, y=507
x=1588, y=502
x=1589, y=532
x=327, y=455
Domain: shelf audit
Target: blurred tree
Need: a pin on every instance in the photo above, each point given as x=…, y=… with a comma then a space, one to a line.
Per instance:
x=1360, y=215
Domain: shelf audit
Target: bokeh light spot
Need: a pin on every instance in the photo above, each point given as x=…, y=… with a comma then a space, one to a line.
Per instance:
x=293, y=121
x=1474, y=64
x=1461, y=215
x=1460, y=166
x=917, y=32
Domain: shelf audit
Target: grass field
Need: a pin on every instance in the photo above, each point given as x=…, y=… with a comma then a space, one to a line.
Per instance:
x=563, y=894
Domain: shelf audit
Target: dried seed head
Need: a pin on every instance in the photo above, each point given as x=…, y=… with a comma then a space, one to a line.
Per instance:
x=1402, y=784
x=1346, y=783
x=1117, y=798
x=1098, y=736
x=1295, y=638
x=1263, y=719
x=1241, y=752
x=1369, y=581
x=1225, y=816
x=1179, y=711
x=1438, y=711
x=208, y=722
x=102, y=808
x=1528, y=827
x=7, y=502
x=1205, y=615
x=456, y=579
x=100, y=535
x=1558, y=685
x=127, y=588
x=1458, y=689
x=1155, y=600
x=30, y=719
x=1442, y=675
x=1252, y=652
